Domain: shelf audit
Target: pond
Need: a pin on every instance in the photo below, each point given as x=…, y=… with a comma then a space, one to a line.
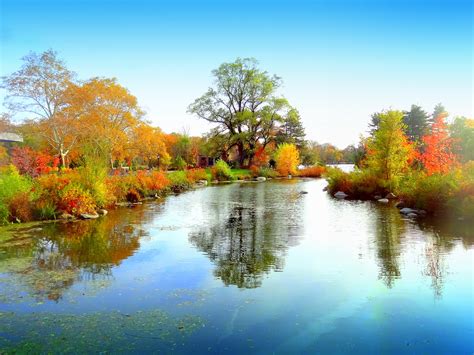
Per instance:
x=240, y=268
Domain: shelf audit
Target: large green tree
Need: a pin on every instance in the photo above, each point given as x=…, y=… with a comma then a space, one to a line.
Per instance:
x=244, y=105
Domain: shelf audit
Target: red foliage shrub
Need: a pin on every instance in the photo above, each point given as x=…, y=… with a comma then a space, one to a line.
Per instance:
x=20, y=208
x=76, y=201
x=159, y=181
x=33, y=163
x=261, y=157
x=312, y=171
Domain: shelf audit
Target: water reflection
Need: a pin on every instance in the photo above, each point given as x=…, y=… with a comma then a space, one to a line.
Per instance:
x=47, y=261
x=438, y=237
x=256, y=227
x=389, y=233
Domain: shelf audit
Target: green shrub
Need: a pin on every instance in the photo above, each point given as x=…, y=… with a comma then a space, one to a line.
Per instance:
x=178, y=181
x=267, y=172
x=180, y=163
x=221, y=171
x=429, y=192
x=45, y=210
x=12, y=184
x=359, y=184
x=93, y=180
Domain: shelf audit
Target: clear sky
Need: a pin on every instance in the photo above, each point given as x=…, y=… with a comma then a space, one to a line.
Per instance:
x=340, y=60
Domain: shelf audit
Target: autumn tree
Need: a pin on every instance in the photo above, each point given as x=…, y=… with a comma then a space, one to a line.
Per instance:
x=148, y=144
x=244, y=105
x=108, y=114
x=389, y=152
x=287, y=159
x=438, y=156
x=39, y=89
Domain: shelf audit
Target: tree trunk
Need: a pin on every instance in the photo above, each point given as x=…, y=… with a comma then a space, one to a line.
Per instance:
x=240, y=147
x=63, y=159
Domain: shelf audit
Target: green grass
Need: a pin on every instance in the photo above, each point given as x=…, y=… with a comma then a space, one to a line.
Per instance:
x=236, y=173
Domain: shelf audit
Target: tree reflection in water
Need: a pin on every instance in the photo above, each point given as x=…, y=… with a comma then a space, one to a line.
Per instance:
x=52, y=258
x=439, y=237
x=257, y=225
x=389, y=230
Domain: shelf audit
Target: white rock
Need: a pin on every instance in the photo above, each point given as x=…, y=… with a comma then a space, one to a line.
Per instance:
x=89, y=216
x=261, y=178
x=383, y=200
x=340, y=195
x=407, y=210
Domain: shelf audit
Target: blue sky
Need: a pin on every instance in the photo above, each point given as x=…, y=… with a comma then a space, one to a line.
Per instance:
x=339, y=60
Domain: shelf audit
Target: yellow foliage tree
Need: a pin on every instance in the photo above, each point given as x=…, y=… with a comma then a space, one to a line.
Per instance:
x=287, y=159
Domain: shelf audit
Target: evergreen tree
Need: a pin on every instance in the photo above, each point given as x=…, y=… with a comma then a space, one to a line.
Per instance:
x=416, y=122
x=439, y=110
x=374, y=122
x=292, y=130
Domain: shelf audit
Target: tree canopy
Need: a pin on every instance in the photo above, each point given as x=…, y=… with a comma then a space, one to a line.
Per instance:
x=244, y=105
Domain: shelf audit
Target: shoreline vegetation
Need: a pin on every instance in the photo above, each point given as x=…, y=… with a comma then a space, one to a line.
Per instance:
x=87, y=146
x=88, y=192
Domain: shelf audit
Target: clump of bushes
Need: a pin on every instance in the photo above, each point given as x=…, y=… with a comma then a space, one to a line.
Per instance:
x=194, y=175
x=362, y=185
x=266, y=172
x=312, y=171
x=451, y=193
x=179, y=181
x=15, y=189
x=221, y=171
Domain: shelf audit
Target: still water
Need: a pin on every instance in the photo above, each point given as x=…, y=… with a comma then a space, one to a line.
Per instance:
x=240, y=268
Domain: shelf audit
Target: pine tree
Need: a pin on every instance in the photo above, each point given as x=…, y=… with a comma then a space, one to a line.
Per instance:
x=416, y=121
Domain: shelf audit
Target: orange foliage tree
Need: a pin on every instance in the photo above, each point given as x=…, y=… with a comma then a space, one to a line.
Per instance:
x=438, y=156
x=108, y=114
x=148, y=144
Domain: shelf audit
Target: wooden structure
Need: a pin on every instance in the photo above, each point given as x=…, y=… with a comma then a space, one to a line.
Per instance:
x=204, y=161
x=10, y=137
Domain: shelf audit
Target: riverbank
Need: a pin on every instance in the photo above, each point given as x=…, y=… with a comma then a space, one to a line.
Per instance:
x=89, y=192
x=416, y=192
